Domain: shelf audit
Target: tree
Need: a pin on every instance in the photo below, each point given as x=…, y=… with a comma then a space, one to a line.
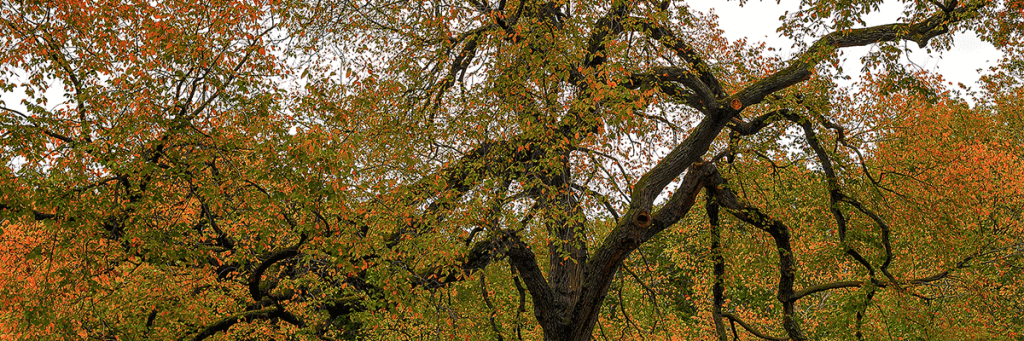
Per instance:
x=338, y=169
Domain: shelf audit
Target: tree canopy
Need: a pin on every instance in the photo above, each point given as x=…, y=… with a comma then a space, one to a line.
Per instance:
x=504, y=169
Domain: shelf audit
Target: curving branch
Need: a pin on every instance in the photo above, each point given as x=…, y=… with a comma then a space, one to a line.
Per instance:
x=913, y=282
x=707, y=84
x=490, y=305
x=834, y=189
x=253, y=315
x=826, y=286
x=780, y=233
x=482, y=254
x=886, y=234
x=524, y=262
x=256, y=277
x=696, y=94
x=755, y=125
x=752, y=329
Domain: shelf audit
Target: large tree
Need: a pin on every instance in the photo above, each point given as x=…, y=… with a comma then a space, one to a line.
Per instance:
x=502, y=169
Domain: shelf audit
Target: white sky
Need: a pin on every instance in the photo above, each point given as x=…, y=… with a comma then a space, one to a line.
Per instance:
x=758, y=20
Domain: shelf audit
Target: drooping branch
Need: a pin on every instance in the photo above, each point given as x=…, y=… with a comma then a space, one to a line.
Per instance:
x=39, y=126
x=718, y=288
x=780, y=233
x=832, y=184
x=912, y=282
x=482, y=254
x=490, y=305
x=521, y=307
x=64, y=64
x=859, y=318
x=834, y=189
x=886, y=232
x=36, y=215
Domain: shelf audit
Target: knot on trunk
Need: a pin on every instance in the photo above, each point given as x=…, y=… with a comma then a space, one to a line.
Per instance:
x=643, y=219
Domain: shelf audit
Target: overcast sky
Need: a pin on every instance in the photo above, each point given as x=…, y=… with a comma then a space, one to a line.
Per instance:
x=757, y=20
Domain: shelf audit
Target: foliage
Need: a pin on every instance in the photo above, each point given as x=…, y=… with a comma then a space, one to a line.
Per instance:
x=562, y=170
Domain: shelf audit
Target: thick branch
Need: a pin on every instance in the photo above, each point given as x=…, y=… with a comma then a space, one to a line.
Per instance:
x=801, y=67
x=524, y=261
x=257, y=276
x=461, y=63
x=480, y=256
x=633, y=229
x=35, y=214
x=262, y=314
x=608, y=25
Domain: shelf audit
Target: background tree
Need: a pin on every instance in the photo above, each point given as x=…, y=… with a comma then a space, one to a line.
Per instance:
x=513, y=169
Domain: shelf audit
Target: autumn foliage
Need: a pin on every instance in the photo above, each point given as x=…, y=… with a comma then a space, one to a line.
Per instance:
x=558, y=170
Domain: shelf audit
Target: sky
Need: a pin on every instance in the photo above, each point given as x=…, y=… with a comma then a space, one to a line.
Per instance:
x=756, y=18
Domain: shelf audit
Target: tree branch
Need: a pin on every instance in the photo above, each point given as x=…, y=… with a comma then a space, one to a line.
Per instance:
x=751, y=329
x=856, y=284
x=262, y=314
x=708, y=87
x=257, y=275
x=780, y=233
x=524, y=261
x=802, y=66
x=718, y=288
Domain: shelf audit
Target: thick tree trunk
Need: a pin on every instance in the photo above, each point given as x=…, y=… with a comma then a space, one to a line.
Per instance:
x=568, y=304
